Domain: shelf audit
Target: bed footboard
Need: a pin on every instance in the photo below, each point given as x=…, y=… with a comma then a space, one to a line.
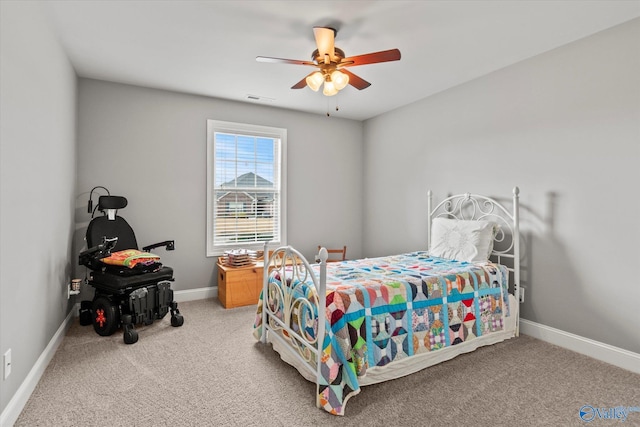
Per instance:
x=294, y=305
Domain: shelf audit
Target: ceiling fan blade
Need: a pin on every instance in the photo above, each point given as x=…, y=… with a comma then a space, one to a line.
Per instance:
x=325, y=39
x=302, y=83
x=283, y=61
x=355, y=81
x=373, y=58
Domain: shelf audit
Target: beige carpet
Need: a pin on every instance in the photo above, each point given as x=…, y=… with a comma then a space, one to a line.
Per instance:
x=211, y=372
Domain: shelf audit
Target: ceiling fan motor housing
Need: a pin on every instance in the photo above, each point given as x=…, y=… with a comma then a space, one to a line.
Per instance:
x=319, y=59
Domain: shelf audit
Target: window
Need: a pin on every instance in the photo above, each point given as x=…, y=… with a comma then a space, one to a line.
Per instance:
x=246, y=198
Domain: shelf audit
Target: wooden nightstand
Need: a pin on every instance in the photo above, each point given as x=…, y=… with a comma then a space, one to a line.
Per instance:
x=238, y=286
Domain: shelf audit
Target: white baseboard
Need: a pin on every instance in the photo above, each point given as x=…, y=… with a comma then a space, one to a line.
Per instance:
x=17, y=402
x=607, y=353
x=195, y=294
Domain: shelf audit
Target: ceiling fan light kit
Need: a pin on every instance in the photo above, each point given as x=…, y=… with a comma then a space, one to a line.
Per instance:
x=340, y=80
x=333, y=82
x=329, y=88
x=315, y=80
x=331, y=63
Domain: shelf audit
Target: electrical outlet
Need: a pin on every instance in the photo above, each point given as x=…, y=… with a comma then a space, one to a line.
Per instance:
x=7, y=363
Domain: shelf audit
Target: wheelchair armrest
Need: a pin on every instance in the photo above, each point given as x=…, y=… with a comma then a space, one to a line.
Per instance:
x=92, y=255
x=169, y=245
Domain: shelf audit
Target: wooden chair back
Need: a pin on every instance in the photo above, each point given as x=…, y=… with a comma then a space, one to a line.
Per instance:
x=336, y=255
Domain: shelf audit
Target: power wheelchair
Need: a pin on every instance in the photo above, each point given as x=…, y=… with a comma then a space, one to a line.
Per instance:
x=124, y=296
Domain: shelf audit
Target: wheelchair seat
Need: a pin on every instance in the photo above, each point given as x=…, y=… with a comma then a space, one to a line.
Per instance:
x=124, y=295
x=110, y=282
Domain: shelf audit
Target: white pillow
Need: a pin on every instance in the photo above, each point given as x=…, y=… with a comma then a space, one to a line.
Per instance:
x=462, y=240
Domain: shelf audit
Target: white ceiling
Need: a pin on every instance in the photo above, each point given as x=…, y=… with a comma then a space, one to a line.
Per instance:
x=209, y=47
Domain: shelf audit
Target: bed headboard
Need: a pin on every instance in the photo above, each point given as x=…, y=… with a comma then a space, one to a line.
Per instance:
x=475, y=207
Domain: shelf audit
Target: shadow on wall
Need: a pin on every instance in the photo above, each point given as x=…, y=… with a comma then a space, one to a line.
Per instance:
x=554, y=281
x=536, y=234
x=557, y=290
x=82, y=219
x=213, y=280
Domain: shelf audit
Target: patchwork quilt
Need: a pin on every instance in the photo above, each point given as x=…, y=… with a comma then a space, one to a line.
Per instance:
x=381, y=310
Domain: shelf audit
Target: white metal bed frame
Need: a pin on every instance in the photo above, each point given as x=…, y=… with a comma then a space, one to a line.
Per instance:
x=291, y=264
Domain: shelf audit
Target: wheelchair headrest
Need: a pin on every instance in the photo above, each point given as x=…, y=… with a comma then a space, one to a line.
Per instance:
x=111, y=202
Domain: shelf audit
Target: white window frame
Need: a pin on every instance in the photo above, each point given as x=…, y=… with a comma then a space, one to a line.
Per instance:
x=214, y=126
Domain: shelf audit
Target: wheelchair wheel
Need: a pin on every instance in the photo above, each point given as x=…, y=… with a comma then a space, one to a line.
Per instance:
x=106, y=316
x=177, y=320
x=131, y=336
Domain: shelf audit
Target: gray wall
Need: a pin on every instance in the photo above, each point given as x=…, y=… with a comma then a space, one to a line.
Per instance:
x=37, y=187
x=150, y=146
x=565, y=127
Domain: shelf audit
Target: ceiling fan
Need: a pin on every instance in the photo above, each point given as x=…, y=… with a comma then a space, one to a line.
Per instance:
x=331, y=64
